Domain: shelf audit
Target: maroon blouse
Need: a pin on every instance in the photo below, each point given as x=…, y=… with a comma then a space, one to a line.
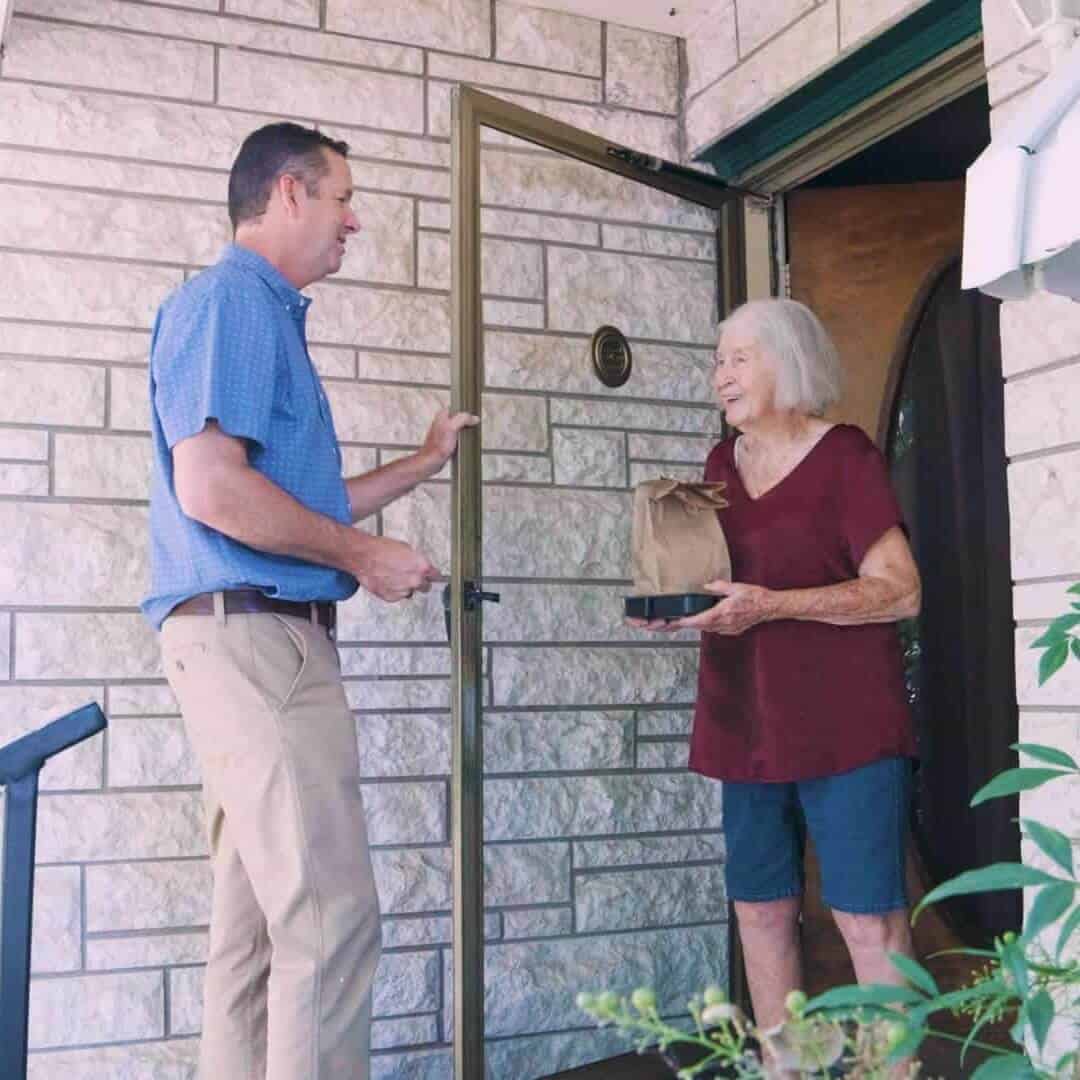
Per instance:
x=793, y=700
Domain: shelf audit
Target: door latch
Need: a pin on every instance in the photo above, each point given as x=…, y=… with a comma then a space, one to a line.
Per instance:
x=473, y=597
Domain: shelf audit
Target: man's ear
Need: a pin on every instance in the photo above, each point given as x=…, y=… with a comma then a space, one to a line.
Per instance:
x=288, y=191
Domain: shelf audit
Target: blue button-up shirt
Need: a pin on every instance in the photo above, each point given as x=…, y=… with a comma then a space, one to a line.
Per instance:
x=230, y=346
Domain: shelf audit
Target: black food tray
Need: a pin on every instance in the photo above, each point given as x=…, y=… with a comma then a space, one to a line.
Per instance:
x=669, y=605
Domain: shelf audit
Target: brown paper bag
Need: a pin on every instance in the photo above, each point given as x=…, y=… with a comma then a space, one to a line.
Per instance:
x=678, y=544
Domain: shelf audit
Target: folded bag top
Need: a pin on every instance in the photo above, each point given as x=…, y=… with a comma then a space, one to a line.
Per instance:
x=678, y=543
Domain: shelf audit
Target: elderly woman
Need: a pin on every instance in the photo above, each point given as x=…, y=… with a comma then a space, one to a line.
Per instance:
x=801, y=705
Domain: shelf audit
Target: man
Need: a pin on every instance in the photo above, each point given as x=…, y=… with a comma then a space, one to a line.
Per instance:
x=252, y=545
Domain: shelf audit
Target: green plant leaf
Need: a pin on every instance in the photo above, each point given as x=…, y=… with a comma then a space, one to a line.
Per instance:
x=1052, y=843
x=1074, y=588
x=1004, y=1067
x=1015, y=962
x=1011, y=781
x=907, y=1046
x=1075, y=646
x=915, y=974
x=1053, y=660
x=1057, y=631
x=1050, y=904
x=1067, y=930
x=1040, y=1015
x=858, y=997
x=990, y=878
x=1050, y=754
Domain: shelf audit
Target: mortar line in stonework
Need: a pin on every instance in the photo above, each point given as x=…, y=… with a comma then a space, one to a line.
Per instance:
x=493, y=44
x=570, y=245
x=166, y=1001
x=1049, y=451
x=1051, y=579
x=322, y=15
x=1042, y=369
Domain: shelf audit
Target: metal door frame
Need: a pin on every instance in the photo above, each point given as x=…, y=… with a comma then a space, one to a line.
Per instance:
x=473, y=110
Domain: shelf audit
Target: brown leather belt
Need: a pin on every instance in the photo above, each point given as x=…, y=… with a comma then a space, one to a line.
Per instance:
x=250, y=601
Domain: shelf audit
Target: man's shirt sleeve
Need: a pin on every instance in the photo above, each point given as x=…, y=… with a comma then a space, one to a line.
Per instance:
x=214, y=357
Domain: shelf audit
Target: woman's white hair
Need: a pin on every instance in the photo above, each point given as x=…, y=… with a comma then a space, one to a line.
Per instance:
x=805, y=360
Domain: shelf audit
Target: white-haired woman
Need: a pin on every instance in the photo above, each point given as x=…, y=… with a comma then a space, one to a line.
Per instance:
x=801, y=708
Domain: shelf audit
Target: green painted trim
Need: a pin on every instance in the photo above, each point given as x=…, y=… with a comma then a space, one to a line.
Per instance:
x=902, y=49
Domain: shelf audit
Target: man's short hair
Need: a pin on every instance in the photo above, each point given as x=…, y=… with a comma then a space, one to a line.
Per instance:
x=273, y=151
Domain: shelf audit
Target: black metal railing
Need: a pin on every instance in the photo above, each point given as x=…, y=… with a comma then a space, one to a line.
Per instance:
x=20, y=764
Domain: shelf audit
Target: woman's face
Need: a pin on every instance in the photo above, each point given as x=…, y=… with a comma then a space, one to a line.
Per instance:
x=743, y=378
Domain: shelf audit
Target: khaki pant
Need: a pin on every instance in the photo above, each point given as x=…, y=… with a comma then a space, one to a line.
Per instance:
x=294, y=930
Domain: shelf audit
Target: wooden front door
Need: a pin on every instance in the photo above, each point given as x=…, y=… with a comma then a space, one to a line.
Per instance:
x=922, y=367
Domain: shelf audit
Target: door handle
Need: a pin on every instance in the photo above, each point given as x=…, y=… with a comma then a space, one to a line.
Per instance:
x=474, y=596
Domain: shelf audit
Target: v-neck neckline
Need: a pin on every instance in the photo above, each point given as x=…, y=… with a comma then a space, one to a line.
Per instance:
x=783, y=479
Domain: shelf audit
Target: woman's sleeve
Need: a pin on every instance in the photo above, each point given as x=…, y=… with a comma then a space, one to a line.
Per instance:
x=868, y=504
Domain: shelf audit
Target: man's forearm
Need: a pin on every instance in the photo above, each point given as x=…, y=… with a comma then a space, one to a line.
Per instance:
x=862, y=600
x=244, y=505
x=372, y=491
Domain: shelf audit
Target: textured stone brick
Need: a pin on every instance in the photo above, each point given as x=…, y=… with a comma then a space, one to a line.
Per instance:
x=539, y=182
x=406, y=983
x=464, y=27
x=38, y=392
x=413, y=880
x=55, y=289
x=539, y=808
x=1062, y=690
x=364, y=618
x=429, y=1065
x=533, y=979
x=185, y=1000
x=294, y=12
x=378, y=318
x=704, y=847
x=508, y=267
x=529, y=79
x=150, y=751
x=578, y=741
x=85, y=645
x=587, y=289
x=547, y=39
x=589, y=458
x=517, y=468
x=146, y=951
x=5, y=648
x=427, y=182
x=57, y=934
x=626, y=900
x=518, y=540
x=711, y=45
x=408, y=813
x=1041, y=600
x=680, y=448
x=258, y=35
x=665, y=722
x=414, y=693
x=868, y=19
x=518, y=874
x=383, y=248
x=322, y=91
x=129, y=399
x=663, y=755
x=124, y=227
x=27, y=445
x=628, y=414
x=333, y=362
x=513, y=223
x=1037, y=413
x=436, y=930
x=21, y=479
x=759, y=22
x=630, y=675
x=103, y=466
x=356, y=460
x=642, y=69
x=92, y=828
x=406, y=1031
x=404, y=744
x=538, y=922
x=772, y=71
x=532, y=1057
x=564, y=364
x=75, y=343
x=519, y=313
x=1044, y=504
x=109, y=60
x=96, y=1009
x=150, y=895
x=26, y=708
x=144, y=700
x=681, y=245
x=403, y=367
x=174, y=1059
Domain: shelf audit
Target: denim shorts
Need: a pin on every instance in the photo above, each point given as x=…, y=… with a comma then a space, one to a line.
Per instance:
x=857, y=821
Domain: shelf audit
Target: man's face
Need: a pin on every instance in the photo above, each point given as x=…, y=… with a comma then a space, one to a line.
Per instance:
x=327, y=218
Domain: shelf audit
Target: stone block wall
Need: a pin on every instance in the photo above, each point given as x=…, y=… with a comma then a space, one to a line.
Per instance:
x=118, y=122
x=1040, y=340
x=743, y=55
